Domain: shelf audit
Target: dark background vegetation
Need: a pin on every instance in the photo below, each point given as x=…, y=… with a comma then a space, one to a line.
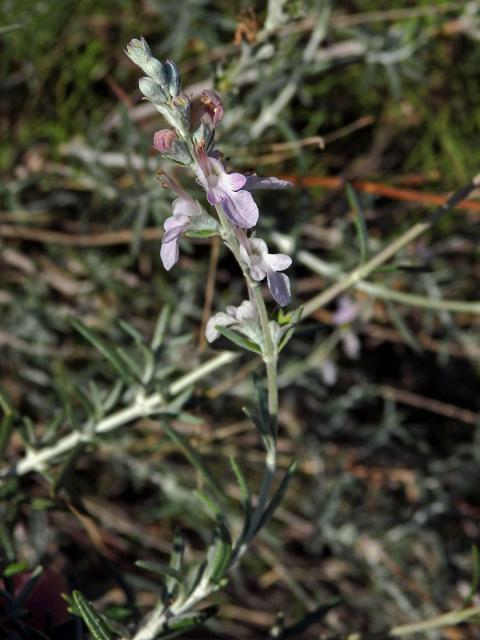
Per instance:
x=384, y=509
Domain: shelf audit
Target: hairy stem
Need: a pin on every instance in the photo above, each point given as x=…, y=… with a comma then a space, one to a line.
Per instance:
x=36, y=460
x=357, y=275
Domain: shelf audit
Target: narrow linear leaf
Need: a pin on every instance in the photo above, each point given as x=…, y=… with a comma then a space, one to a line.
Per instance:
x=359, y=219
x=6, y=403
x=298, y=628
x=11, y=27
x=6, y=543
x=94, y=622
x=201, y=233
x=242, y=483
x=176, y=561
x=112, y=397
x=195, y=460
x=475, y=577
x=87, y=404
x=186, y=622
x=131, y=365
x=246, y=501
x=131, y=331
x=262, y=400
x=14, y=568
x=148, y=366
x=286, y=338
x=103, y=348
x=50, y=433
x=277, y=498
x=238, y=339
x=160, y=328
x=402, y=328
x=64, y=391
x=263, y=429
x=212, y=506
x=28, y=434
x=197, y=576
x=67, y=469
x=219, y=553
x=28, y=587
x=161, y=570
x=6, y=429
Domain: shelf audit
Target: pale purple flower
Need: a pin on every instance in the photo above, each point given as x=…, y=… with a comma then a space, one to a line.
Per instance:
x=239, y=316
x=351, y=344
x=328, y=371
x=226, y=188
x=348, y=311
x=184, y=209
x=254, y=253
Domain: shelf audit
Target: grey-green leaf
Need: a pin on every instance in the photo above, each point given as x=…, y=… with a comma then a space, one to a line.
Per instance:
x=92, y=619
x=238, y=339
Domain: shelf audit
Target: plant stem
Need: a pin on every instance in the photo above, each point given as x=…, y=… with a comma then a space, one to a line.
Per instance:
x=378, y=291
x=450, y=619
x=269, y=351
x=355, y=276
x=155, y=403
x=160, y=617
x=270, y=357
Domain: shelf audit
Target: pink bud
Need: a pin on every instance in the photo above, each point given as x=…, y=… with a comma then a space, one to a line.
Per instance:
x=213, y=107
x=162, y=140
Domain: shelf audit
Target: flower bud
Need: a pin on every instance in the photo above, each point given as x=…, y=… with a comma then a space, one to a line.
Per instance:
x=155, y=70
x=166, y=142
x=138, y=51
x=162, y=140
x=152, y=90
x=212, y=108
x=172, y=83
x=181, y=104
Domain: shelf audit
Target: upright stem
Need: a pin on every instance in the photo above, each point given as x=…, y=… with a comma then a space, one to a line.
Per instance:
x=269, y=351
x=270, y=356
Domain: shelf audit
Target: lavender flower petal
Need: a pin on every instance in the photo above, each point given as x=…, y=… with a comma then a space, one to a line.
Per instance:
x=257, y=272
x=215, y=195
x=351, y=345
x=220, y=319
x=174, y=227
x=279, y=286
x=233, y=181
x=169, y=253
x=185, y=207
x=240, y=208
x=347, y=311
x=278, y=261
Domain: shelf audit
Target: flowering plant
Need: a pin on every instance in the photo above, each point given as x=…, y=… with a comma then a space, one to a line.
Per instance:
x=230, y=212
x=30, y=602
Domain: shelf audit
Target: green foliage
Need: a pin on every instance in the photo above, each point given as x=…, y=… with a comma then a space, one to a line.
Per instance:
x=95, y=623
